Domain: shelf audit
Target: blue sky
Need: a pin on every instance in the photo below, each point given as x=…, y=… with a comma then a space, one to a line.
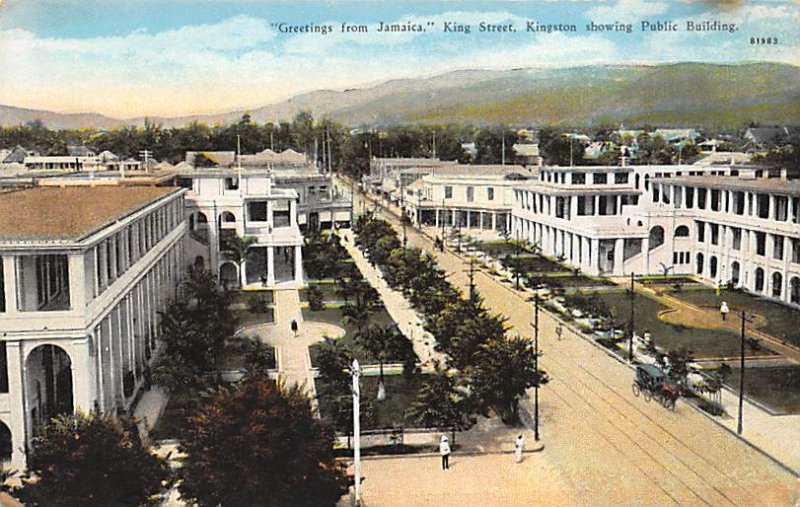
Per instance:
x=156, y=57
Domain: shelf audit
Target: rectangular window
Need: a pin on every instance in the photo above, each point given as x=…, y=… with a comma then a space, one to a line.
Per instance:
x=737, y=238
x=796, y=251
x=781, y=208
x=470, y=194
x=701, y=231
x=578, y=178
x=599, y=178
x=714, y=234
x=448, y=192
x=231, y=183
x=761, y=243
x=675, y=257
x=689, y=197
x=701, y=198
x=762, y=205
x=490, y=194
x=621, y=178
x=777, y=247
x=715, y=199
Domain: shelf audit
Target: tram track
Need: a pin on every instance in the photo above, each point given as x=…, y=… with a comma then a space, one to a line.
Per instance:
x=681, y=473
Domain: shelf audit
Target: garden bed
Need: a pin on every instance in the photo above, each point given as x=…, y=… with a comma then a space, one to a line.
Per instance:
x=705, y=343
x=781, y=321
x=776, y=387
x=333, y=315
x=392, y=412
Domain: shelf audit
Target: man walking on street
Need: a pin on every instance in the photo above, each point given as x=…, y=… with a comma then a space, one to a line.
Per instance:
x=724, y=310
x=519, y=443
x=444, y=450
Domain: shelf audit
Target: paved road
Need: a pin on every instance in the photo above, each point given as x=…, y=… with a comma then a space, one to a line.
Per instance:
x=610, y=448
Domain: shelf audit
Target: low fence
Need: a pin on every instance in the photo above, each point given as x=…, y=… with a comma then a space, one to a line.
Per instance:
x=393, y=437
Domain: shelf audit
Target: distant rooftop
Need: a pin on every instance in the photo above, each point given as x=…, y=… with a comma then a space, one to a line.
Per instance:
x=772, y=185
x=69, y=213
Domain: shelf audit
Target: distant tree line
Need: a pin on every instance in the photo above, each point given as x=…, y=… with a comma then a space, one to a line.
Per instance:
x=349, y=150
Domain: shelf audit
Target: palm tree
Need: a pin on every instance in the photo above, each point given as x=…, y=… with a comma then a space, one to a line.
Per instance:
x=240, y=248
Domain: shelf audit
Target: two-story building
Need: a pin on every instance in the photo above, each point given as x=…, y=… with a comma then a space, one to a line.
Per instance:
x=224, y=203
x=85, y=271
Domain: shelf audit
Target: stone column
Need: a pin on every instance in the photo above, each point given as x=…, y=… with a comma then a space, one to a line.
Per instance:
x=83, y=388
x=594, y=260
x=77, y=281
x=17, y=398
x=298, y=265
x=10, y=283
x=619, y=259
x=270, y=265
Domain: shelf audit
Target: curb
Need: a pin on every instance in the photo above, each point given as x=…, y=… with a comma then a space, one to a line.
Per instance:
x=432, y=454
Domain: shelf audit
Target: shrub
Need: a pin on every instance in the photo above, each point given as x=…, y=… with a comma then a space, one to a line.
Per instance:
x=88, y=459
x=315, y=298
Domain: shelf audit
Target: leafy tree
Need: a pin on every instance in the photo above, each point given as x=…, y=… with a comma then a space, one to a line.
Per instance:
x=260, y=444
x=492, y=142
x=363, y=302
x=504, y=369
x=386, y=343
x=194, y=330
x=442, y=402
x=88, y=459
x=315, y=298
x=240, y=250
x=556, y=149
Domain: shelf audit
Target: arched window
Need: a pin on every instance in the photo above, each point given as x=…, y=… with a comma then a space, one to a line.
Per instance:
x=201, y=218
x=6, y=447
x=682, y=232
x=777, y=284
x=656, y=237
x=712, y=266
x=227, y=216
x=794, y=290
x=735, y=273
x=700, y=260
x=759, y=280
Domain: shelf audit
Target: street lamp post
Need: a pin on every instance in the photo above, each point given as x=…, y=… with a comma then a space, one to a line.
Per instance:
x=536, y=367
x=630, y=337
x=741, y=376
x=356, y=373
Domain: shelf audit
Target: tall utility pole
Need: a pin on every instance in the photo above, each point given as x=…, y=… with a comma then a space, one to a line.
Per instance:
x=741, y=376
x=516, y=259
x=471, y=272
x=503, y=149
x=356, y=373
x=239, y=162
x=536, y=367
x=352, y=203
x=434, y=143
x=630, y=337
x=444, y=215
x=145, y=155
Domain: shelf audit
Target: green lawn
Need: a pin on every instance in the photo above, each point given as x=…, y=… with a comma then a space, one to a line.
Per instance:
x=704, y=343
x=235, y=357
x=334, y=316
x=778, y=388
x=328, y=289
x=570, y=280
x=247, y=296
x=249, y=318
x=534, y=264
x=392, y=411
x=495, y=248
x=782, y=322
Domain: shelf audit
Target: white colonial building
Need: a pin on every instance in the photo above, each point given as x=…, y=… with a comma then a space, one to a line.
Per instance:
x=721, y=223
x=223, y=203
x=464, y=196
x=85, y=271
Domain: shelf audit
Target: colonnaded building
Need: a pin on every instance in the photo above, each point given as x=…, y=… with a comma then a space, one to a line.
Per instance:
x=720, y=222
x=85, y=271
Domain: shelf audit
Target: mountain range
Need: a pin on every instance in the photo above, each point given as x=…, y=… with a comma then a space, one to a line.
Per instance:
x=682, y=94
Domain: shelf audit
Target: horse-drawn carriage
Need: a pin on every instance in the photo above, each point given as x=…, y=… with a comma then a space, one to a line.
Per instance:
x=652, y=383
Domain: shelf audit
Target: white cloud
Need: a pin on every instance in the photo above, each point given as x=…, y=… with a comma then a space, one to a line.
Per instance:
x=626, y=11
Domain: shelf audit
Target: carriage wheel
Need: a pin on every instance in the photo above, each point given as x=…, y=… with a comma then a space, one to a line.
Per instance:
x=648, y=395
x=636, y=389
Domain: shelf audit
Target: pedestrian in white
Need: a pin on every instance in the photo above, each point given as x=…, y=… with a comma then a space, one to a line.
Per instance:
x=444, y=450
x=724, y=310
x=519, y=443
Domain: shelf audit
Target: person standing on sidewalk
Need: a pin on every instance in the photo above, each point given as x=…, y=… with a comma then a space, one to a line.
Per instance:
x=724, y=310
x=444, y=450
x=294, y=327
x=519, y=443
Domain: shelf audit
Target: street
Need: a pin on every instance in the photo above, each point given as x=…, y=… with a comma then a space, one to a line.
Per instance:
x=607, y=446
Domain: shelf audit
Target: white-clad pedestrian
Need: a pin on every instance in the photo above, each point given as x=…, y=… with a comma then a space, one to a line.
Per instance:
x=519, y=444
x=724, y=310
x=444, y=450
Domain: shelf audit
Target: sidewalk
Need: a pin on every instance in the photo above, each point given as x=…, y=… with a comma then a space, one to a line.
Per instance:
x=407, y=319
x=294, y=360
